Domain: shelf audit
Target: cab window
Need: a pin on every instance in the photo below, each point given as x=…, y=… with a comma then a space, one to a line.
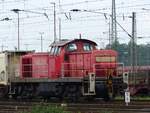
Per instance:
x=52, y=50
x=72, y=47
x=87, y=47
x=55, y=50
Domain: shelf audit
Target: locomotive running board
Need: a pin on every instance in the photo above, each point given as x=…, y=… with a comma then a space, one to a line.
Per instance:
x=88, y=85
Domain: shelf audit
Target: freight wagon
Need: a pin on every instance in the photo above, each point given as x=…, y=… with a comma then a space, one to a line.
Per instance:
x=9, y=68
x=138, y=80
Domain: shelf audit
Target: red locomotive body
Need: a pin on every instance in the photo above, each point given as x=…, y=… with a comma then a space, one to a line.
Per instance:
x=74, y=58
x=35, y=65
x=105, y=63
x=72, y=69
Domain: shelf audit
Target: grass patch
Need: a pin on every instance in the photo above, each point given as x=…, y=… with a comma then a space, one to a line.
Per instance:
x=140, y=98
x=47, y=109
x=134, y=98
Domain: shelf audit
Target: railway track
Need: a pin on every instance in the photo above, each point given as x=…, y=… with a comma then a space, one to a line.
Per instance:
x=98, y=107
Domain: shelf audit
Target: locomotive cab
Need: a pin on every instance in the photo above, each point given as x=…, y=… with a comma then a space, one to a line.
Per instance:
x=75, y=58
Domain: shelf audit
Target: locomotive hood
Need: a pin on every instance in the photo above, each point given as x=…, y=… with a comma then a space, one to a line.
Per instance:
x=105, y=52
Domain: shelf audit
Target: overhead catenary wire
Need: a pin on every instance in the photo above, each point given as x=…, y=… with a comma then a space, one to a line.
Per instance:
x=34, y=23
x=10, y=2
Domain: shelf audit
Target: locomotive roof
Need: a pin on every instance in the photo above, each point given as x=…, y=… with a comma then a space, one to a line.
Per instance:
x=66, y=41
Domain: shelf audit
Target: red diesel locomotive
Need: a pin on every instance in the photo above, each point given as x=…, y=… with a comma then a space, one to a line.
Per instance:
x=71, y=70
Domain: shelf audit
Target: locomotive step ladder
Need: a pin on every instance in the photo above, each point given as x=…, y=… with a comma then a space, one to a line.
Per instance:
x=88, y=85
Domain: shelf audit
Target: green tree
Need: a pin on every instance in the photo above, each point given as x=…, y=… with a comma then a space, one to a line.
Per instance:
x=124, y=53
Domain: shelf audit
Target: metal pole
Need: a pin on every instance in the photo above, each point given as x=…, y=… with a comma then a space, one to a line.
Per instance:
x=18, y=31
x=17, y=11
x=41, y=41
x=109, y=35
x=26, y=46
x=59, y=28
x=113, y=24
x=55, y=37
x=59, y=22
x=2, y=46
x=134, y=53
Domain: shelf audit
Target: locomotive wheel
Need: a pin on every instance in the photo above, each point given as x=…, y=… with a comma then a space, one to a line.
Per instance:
x=71, y=93
x=108, y=96
x=3, y=92
x=27, y=92
x=59, y=90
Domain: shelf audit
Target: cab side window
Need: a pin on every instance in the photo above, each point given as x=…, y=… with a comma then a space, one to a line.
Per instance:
x=52, y=50
x=72, y=47
x=87, y=47
x=55, y=50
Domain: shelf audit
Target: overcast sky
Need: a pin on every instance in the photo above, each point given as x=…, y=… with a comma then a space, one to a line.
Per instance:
x=92, y=26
